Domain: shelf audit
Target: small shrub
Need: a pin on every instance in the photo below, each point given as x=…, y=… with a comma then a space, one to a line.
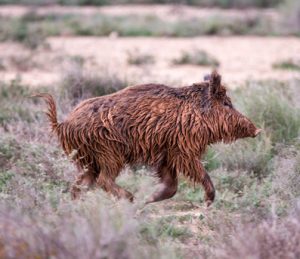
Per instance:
x=4, y=179
x=13, y=95
x=242, y=191
x=252, y=155
x=189, y=192
x=2, y=65
x=9, y=151
x=27, y=29
x=270, y=106
x=286, y=178
x=78, y=84
x=288, y=64
x=290, y=10
x=269, y=239
x=135, y=57
x=82, y=230
x=13, y=90
x=165, y=227
x=210, y=160
x=22, y=63
x=33, y=29
x=77, y=60
x=196, y=57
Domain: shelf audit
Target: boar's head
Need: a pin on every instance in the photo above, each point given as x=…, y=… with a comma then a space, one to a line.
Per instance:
x=225, y=122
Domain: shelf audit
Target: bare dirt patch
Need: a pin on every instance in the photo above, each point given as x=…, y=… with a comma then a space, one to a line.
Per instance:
x=241, y=58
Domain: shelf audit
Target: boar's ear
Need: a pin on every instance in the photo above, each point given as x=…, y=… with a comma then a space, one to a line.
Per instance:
x=214, y=83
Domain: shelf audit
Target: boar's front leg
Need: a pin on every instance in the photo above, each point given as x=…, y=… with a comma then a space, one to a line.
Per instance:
x=204, y=179
x=199, y=175
x=107, y=183
x=168, y=187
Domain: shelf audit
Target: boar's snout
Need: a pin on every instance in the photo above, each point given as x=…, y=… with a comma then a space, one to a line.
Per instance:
x=253, y=131
x=246, y=128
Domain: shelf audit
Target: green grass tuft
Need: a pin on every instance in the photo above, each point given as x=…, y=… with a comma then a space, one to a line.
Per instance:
x=272, y=108
x=196, y=57
x=136, y=57
x=288, y=64
x=78, y=84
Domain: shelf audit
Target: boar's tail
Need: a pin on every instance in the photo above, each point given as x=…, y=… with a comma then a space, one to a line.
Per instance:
x=51, y=112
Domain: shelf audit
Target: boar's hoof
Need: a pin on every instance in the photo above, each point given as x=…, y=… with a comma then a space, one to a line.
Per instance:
x=75, y=193
x=209, y=200
x=208, y=203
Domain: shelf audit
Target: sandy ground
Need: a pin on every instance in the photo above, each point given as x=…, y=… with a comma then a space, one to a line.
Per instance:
x=241, y=58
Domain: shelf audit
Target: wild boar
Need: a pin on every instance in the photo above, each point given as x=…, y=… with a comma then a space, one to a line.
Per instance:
x=159, y=126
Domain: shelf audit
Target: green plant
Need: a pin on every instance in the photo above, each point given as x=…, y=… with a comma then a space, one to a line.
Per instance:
x=135, y=57
x=4, y=179
x=270, y=106
x=33, y=29
x=289, y=64
x=251, y=155
x=290, y=17
x=196, y=57
x=211, y=160
x=12, y=96
x=22, y=63
x=78, y=84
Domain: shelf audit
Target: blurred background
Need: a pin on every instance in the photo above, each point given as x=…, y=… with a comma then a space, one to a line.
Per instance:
x=150, y=41
x=76, y=49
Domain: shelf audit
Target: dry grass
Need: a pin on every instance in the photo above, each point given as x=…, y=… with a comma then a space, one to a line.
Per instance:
x=270, y=239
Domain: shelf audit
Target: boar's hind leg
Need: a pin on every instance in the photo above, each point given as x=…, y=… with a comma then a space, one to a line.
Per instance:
x=84, y=179
x=168, y=188
x=107, y=183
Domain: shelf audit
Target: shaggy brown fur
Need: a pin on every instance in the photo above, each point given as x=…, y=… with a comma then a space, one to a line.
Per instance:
x=156, y=125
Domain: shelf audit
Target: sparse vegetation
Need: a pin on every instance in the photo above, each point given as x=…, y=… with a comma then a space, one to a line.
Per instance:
x=290, y=10
x=288, y=64
x=273, y=109
x=2, y=65
x=32, y=29
x=79, y=84
x=24, y=30
x=136, y=57
x=255, y=180
x=202, y=3
x=22, y=62
x=270, y=239
x=196, y=57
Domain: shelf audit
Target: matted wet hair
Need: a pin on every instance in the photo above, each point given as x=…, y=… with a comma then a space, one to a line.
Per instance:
x=155, y=125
